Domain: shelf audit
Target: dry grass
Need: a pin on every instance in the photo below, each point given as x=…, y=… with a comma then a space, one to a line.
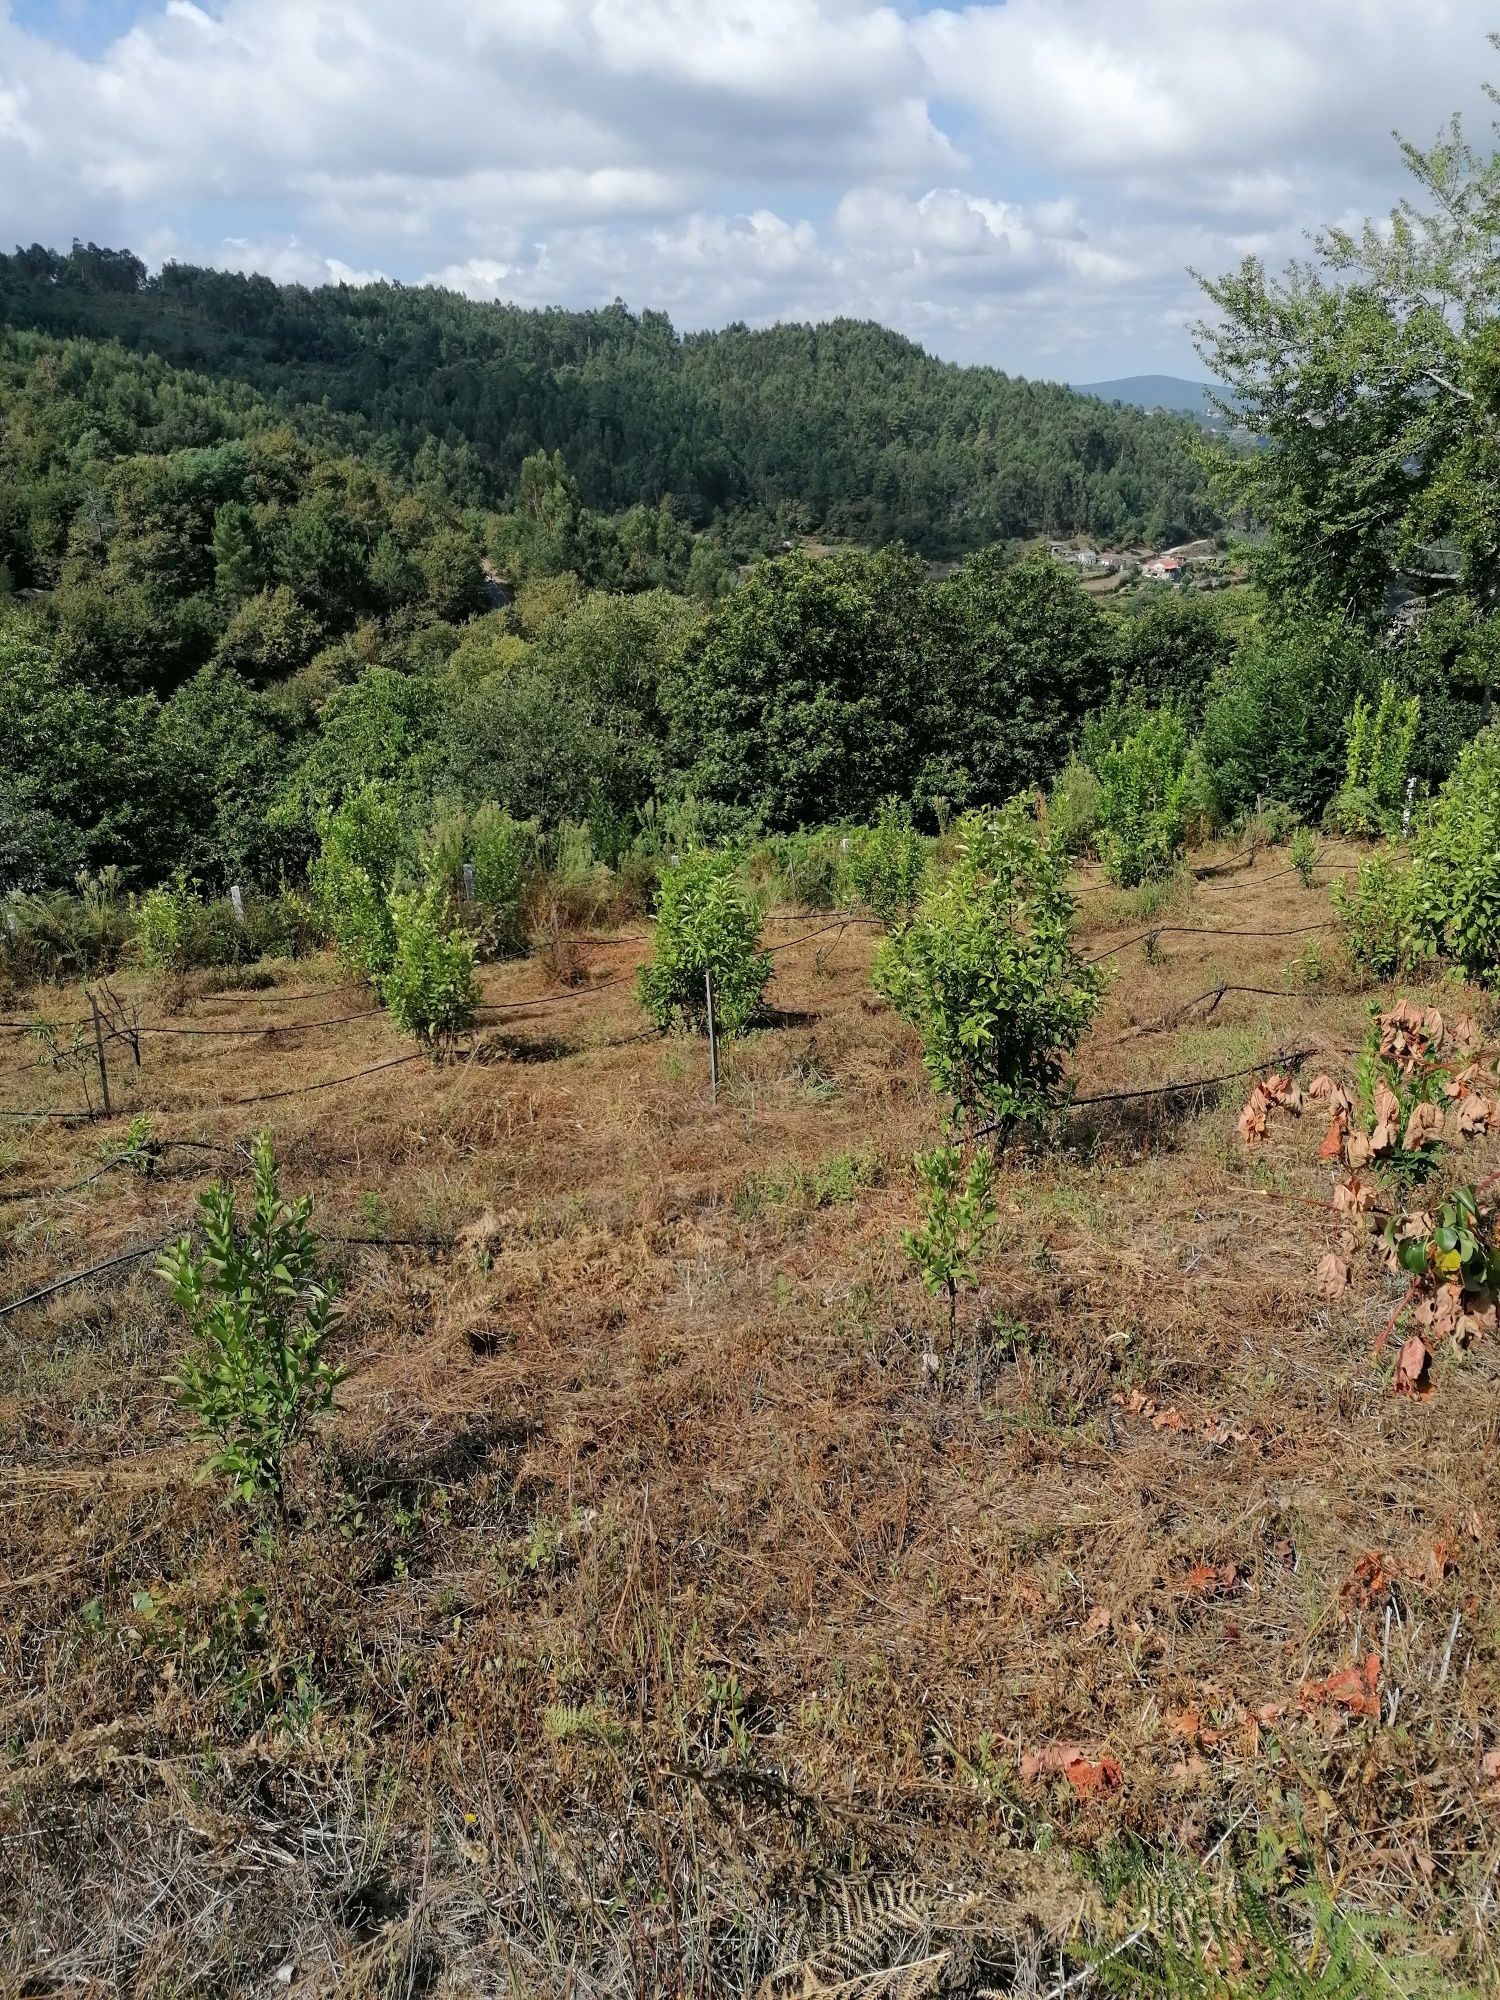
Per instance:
x=643, y=1590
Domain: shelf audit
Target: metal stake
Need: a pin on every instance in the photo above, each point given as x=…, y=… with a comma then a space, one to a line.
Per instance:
x=713, y=1039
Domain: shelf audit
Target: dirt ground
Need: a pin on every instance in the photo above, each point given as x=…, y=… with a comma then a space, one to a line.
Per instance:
x=647, y=1588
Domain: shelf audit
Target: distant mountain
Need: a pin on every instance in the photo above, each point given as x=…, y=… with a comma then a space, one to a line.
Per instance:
x=1155, y=392
x=845, y=427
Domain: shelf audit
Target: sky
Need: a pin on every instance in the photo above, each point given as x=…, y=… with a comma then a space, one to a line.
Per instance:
x=1022, y=182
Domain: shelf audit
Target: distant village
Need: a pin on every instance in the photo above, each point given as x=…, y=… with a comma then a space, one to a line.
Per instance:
x=1201, y=564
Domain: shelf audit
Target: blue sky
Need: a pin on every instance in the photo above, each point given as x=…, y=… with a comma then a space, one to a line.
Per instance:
x=1023, y=182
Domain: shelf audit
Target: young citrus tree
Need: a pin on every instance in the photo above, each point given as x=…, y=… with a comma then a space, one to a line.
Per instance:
x=256, y=1376
x=886, y=865
x=1382, y=738
x=429, y=985
x=1145, y=797
x=1455, y=875
x=366, y=846
x=704, y=925
x=956, y=1215
x=988, y=975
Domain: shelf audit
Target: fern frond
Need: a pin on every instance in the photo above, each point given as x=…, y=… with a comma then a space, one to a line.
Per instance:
x=870, y=1941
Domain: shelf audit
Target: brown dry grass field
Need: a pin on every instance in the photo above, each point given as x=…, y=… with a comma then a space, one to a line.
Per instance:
x=645, y=1589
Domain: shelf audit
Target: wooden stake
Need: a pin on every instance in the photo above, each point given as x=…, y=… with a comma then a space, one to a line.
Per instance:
x=713, y=1039
x=99, y=1050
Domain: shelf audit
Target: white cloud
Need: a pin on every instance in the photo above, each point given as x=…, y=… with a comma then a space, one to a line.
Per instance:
x=1163, y=84
x=1023, y=182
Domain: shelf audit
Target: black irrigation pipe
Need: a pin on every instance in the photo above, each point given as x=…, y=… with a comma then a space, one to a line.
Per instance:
x=392, y=1242
x=1282, y=1058
x=286, y=1028
x=835, y=924
x=1215, y=994
x=328, y=1083
x=1198, y=930
x=248, y=996
x=121, y=1160
x=93, y=1271
x=551, y=999
x=261, y=1097
x=177, y=1229
x=55, y=1193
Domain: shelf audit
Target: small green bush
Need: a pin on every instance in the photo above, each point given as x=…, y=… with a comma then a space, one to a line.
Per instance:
x=1074, y=808
x=505, y=856
x=365, y=852
x=807, y=870
x=166, y=927
x=988, y=975
x=704, y=923
x=1376, y=919
x=1381, y=739
x=957, y=1213
x=177, y=930
x=1455, y=876
x=260, y=1316
x=886, y=866
x=1145, y=799
x=1303, y=855
x=429, y=985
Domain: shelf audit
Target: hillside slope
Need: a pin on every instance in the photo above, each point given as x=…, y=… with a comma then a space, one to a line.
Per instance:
x=846, y=426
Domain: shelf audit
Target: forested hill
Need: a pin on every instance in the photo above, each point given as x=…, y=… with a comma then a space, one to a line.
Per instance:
x=846, y=427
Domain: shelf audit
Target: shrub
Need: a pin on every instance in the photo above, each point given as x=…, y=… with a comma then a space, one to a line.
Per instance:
x=365, y=851
x=886, y=865
x=1381, y=741
x=177, y=930
x=1375, y=919
x=1271, y=824
x=505, y=855
x=1145, y=797
x=166, y=923
x=260, y=1317
x=429, y=985
x=1303, y=854
x=704, y=924
x=577, y=884
x=807, y=870
x=1073, y=809
x=987, y=973
x=275, y=927
x=1455, y=876
x=1273, y=724
x=957, y=1213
